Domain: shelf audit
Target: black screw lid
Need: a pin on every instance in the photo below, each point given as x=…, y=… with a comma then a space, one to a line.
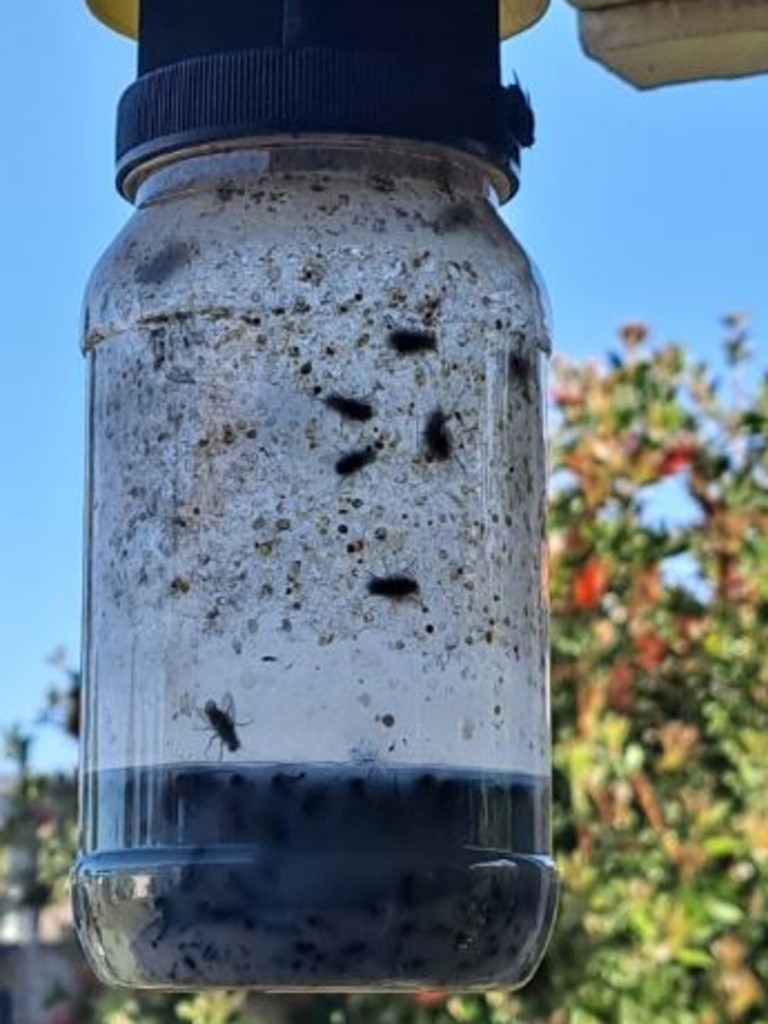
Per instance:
x=220, y=69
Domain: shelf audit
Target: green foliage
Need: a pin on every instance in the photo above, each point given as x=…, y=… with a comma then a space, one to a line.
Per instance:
x=660, y=693
x=38, y=819
x=212, y=1008
x=157, y=1008
x=659, y=589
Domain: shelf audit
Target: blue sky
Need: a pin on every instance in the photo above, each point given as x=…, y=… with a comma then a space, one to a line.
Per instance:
x=635, y=205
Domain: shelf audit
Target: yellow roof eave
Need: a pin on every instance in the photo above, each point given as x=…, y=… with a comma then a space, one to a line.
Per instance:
x=123, y=15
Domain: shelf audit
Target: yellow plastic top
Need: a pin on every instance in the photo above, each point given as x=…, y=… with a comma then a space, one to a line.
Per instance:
x=123, y=15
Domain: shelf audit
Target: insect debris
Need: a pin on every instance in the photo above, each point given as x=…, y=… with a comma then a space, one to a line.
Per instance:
x=437, y=438
x=353, y=461
x=395, y=587
x=412, y=342
x=349, y=408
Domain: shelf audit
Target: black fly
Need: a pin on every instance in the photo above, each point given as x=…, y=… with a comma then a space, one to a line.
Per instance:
x=520, y=370
x=518, y=365
x=437, y=437
x=349, y=408
x=221, y=721
x=408, y=343
x=354, y=461
x=394, y=587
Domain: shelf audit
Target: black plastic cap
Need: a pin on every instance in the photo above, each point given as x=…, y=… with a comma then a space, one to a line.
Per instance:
x=211, y=70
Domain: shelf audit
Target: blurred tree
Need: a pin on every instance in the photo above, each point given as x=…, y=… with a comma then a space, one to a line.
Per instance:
x=62, y=704
x=659, y=584
x=659, y=527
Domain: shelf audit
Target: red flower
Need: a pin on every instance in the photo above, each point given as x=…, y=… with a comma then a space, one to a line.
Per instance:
x=677, y=456
x=650, y=650
x=567, y=392
x=621, y=687
x=429, y=998
x=589, y=584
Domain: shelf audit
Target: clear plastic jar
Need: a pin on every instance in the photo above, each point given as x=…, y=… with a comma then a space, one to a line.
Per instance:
x=316, y=736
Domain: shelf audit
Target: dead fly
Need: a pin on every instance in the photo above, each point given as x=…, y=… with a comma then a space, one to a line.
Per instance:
x=351, y=462
x=349, y=408
x=437, y=438
x=394, y=587
x=408, y=343
x=520, y=371
x=221, y=723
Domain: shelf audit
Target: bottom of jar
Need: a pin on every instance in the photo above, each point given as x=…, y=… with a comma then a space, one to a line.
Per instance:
x=320, y=879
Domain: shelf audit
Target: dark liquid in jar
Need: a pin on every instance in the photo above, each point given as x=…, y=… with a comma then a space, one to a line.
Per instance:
x=323, y=877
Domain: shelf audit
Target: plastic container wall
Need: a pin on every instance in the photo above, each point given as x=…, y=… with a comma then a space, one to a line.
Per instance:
x=316, y=749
